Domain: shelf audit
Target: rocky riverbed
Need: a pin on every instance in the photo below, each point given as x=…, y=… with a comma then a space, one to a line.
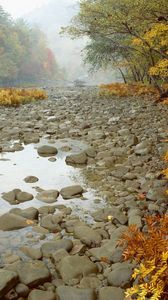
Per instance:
x=72, y=171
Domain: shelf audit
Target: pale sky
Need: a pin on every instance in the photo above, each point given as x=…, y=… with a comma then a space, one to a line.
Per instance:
x=17, y=8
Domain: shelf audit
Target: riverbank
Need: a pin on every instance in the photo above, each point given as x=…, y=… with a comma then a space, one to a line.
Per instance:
x=116, y=147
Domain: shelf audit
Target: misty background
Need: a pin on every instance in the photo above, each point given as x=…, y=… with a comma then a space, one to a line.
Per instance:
x=50, y=16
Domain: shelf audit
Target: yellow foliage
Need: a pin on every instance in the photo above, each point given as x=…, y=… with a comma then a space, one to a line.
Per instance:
x=123, y=90
x=160, y=69
x=16, y=97
x=150, y=250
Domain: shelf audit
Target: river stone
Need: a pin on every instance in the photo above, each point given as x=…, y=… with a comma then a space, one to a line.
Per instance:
x=34, y=253
x=90, y=282
x=135, y=220
x=31, y=179
x=31, y=273
x=47, y=150
x=156, y=194
x=77, y=159
x=41, y=295
x=8, y=279
x=111, y=293
x=114, y=212
x=49, y=248
x=110, y=248
x=143, y=148
x=10, y=221
x=48, y=196
x=72, y=267
x=121, y=275
x=50, y=222
x=71, y=191
x=87, y=235
x=10, y=197
x=24, y=196
x=66, y=293
x=28, y=213
x=91, y=152
x=22, y=290
x=31, y=138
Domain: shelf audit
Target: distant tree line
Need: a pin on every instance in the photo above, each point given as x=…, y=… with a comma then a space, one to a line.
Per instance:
x=128, y=35
x=24, y=53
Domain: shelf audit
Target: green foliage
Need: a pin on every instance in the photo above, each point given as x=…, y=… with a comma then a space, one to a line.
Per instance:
x=24, y=54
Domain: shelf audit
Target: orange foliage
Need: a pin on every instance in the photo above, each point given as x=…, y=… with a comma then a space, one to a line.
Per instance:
x=14, y=96
x=150, y=250
x=123, y=90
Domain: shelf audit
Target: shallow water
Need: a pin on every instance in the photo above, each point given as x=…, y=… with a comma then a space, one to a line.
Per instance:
x=15, y=166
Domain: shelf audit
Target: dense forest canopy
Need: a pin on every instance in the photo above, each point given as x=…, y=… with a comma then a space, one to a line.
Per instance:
x=24, y=53
x=131, y=36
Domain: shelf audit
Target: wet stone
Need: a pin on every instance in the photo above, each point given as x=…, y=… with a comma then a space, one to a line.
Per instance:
x=71, y=191
x=48, y=196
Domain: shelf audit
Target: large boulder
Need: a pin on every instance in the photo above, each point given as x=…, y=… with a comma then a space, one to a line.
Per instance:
x=49, y=248
x=28, y=213
x=71, y=191
x=10, y=221
x=72, y=267
x=31, y=273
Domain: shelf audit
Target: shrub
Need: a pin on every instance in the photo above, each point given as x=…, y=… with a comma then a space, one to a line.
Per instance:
x=14, y=97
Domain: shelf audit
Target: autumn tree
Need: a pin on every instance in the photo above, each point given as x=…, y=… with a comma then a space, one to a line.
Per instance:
x=115, y=27
x=24, y=53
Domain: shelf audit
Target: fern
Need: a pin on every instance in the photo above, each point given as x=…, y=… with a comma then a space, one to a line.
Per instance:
x=150, y=250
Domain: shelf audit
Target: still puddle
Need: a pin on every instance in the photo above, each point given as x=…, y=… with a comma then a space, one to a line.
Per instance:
x=15, y=166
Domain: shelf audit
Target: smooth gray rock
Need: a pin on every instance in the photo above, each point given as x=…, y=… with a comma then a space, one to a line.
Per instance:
x=22, y=290
x=10, y=221
x=49, y=248
x=8, y=279
x=87, y=235
x=77, y=159
x=31, y=179
x=114, y=212
x=48, y=196
x=41, y=295
x=31, y=273
x=111, y=293
x=66, y=293
x=34, y=253
x=72, y=267
x=121, y=275
x=30, y=138
x=28, y=213
x=24, y=196
x=46, y=150
x=51, y=223
x=71, y=191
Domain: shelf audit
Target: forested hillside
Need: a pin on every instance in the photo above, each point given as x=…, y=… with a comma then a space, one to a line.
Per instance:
x=24, y=53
